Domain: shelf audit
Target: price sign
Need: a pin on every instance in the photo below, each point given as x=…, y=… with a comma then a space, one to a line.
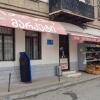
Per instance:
x=64, y=63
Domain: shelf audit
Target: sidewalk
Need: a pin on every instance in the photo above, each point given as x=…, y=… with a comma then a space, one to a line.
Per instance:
x=21, y=90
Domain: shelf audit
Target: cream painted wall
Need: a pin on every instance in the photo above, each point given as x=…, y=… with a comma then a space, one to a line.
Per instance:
x=50, y=53
x=73, y=50
x=19, y=44
x=19, y=47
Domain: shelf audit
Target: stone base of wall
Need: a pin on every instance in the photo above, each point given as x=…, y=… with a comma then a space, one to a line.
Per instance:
x=38, y=71
x=4, y=74
x=74, y=66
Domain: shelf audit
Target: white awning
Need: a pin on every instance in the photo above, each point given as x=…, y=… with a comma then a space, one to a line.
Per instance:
x=92, y=31
x=72, y=28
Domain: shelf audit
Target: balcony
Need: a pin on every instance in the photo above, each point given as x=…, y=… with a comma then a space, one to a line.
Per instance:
x=71, y=11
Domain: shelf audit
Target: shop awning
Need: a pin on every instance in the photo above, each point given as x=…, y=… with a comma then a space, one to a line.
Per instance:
x=72, y=28
x=92, y=31
x=79, y=34
x=82, y=38
x=9, y=19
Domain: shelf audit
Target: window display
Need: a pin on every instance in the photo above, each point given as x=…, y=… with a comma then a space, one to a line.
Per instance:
x=93, y=59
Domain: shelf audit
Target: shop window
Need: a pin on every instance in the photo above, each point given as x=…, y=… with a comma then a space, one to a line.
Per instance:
x=7, y=44
x=33, y=44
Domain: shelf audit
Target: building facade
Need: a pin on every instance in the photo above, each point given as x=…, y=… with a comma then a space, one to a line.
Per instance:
x=46, y=50
x=43, y=64
x=80, y=19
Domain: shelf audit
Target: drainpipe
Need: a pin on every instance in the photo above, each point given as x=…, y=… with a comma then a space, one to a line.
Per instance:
x=61, y=5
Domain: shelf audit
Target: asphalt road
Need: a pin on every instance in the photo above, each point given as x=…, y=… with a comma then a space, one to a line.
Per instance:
x=85, y=91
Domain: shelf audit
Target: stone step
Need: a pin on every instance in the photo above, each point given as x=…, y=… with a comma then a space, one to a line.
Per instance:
x=68, y=72
x=74, y=75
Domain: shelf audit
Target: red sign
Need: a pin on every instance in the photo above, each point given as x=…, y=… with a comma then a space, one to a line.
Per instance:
x=9, y=19
x=84, y=38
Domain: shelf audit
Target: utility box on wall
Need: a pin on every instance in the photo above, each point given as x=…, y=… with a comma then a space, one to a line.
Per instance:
x=50, y=42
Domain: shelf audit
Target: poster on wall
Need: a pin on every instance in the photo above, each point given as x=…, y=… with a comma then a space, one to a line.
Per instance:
x=64, y=63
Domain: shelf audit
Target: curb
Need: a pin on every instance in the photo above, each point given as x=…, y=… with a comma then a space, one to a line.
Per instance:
x=36, y=92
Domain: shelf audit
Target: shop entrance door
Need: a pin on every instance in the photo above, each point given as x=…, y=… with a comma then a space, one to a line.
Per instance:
x=64, y=52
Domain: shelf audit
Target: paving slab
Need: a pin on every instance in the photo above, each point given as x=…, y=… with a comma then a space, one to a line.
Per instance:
x=22, y=90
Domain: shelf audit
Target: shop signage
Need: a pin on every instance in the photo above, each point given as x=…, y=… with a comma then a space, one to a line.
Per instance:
x=64, y=63
x=83, y=38
x=29, y=23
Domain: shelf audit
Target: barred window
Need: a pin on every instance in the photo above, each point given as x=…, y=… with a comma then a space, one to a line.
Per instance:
x=7, y=44
x=33, y=44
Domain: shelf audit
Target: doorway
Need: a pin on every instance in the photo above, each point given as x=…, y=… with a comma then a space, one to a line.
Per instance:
x=64, y=52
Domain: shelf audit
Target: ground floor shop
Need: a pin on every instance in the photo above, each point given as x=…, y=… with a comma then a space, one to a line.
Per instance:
x=44, y=57
x=89, y=57
x=46, y=45
x=39, y=38
x=42, y=49
x=80, y=54
x=46, y=52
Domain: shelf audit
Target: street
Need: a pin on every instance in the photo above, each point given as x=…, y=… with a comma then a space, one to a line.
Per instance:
x=85, y=91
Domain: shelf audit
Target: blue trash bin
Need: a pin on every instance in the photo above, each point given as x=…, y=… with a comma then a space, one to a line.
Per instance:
x=25, y=68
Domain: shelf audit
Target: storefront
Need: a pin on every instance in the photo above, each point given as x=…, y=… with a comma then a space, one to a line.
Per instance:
x=88, y=48
x=88, y=55
x=80, y=40
x=39, y=38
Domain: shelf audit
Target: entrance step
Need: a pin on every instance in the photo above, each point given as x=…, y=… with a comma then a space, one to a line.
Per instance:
x=74, y=75
x=71, y=74
x=68, y=72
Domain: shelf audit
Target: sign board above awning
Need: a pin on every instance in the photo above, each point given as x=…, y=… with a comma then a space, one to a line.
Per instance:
x=81, y=38
x=9, y=19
